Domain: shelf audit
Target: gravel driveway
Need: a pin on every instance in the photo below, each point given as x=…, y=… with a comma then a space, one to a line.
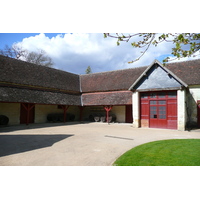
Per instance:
x=86, y=144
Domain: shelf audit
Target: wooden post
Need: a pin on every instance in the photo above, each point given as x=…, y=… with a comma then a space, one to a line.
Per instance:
x=64, y=112
x=28, y=113
x=81, y=112
x=108, y=109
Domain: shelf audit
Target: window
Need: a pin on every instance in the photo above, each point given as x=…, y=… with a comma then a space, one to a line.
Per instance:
x=153, y=102
x=153, y=112
x=144, y=95
x=153, y=95
x=172, y=94
x=162, y=102
x=162, y=112
x=161, y=95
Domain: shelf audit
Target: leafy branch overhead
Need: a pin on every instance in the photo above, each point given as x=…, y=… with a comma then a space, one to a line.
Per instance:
x=185, y=44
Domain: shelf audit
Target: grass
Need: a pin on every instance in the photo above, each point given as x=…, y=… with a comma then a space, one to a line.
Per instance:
x=175, y=152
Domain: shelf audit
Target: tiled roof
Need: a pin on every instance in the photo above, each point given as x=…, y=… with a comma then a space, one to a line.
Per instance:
x=188, y=71
x=110, y=81
x=8, y=94
x=25, y=82
x=28, y=74
x=107, y=98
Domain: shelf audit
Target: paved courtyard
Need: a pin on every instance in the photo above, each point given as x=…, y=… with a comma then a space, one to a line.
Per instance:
x=86, y=144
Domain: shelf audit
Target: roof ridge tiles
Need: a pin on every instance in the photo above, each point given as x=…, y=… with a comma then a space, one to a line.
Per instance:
x=131, y=68
x=36, y=65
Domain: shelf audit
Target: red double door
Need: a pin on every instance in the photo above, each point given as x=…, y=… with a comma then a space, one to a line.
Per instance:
x=160, y=109
x=27, y=113
x=163, y=114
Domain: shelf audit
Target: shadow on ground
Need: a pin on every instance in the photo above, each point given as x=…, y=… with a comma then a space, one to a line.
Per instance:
x=19, y=127
x=12, y=144
x=11, y=128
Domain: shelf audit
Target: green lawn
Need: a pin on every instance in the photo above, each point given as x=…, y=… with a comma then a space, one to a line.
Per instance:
x=176, y=152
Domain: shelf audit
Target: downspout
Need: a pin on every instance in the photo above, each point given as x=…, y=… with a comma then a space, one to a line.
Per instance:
x=80, y=89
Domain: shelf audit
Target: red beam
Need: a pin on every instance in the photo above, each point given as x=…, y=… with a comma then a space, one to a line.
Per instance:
x=65, y=111
x=108, y=109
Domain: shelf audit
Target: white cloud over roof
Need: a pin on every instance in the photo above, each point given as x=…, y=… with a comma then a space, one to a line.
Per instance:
x=75, y=52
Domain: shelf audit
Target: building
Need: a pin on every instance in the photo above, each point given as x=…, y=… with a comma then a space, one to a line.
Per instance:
x=155, y=96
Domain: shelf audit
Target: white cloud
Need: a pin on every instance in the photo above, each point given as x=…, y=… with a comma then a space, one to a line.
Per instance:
x=75, y=52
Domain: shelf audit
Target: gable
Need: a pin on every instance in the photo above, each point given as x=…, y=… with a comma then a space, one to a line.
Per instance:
x=157, y=77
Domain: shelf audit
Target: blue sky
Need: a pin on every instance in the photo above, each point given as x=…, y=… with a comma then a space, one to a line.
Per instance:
x=75, y=52
x=10, y=38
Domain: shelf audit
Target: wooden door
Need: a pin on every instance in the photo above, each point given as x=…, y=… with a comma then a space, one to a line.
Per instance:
x=129, y=114
x=27, y=113
x=158, y=114
x=172, y=114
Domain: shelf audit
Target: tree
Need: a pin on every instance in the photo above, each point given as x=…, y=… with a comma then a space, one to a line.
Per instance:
x=185, y=44
x=88, y=70
x=38, y=57
x=13, y=52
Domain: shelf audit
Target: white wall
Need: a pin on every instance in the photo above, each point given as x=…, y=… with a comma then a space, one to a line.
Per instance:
x=119, y=111
x=12, y=111
x=181, y=112
x=136, y=109
x=41, y=112
x=192, y=97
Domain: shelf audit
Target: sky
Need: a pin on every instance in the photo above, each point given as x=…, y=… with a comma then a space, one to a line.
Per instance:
x=38, y=24
x=52, y=30
x=74, y=52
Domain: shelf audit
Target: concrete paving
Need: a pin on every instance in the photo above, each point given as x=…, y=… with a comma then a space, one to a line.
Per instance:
x=71, y=144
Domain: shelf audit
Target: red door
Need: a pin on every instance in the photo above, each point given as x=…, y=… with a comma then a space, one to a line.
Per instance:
x=172, y=114
x=158, y=114
x=27, y=113
x=159, y=109
x=129, y=114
